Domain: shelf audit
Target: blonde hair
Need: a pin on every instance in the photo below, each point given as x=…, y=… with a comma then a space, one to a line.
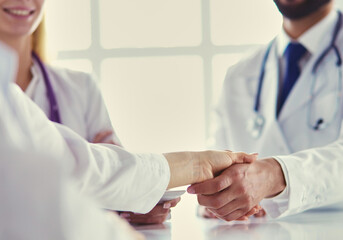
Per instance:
x=39, y=41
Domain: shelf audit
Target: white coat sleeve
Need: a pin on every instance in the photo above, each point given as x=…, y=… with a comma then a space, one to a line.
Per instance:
x=38, y=202
x=37, y=197
x=313, y=178
x=96, y=116
x=116, y=178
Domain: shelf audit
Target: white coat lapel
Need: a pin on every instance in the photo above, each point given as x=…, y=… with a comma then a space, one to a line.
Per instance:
x=300, y=94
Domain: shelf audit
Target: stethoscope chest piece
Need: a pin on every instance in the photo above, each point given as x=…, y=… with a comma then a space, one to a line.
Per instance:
x=255, y=125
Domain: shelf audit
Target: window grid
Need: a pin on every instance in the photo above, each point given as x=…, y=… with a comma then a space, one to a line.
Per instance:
x=206, y=50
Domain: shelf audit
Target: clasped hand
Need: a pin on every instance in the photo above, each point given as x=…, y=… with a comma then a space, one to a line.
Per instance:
x=236, y=192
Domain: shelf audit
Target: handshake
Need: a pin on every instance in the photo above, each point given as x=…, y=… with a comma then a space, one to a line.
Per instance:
x=229, y=184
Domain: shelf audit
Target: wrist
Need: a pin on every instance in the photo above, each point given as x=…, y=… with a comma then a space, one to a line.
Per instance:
x=184, y=168
x=204, y=168
x=275, y=177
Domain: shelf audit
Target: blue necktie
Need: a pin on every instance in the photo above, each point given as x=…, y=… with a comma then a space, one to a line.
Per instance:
x=293, y=53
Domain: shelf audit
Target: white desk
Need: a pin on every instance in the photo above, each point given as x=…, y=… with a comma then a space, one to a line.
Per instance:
x=320, y=224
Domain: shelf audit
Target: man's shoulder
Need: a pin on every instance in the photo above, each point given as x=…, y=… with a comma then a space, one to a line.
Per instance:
x=250, y=64
x=245, y=74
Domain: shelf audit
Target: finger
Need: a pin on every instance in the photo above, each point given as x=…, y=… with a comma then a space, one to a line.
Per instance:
x=148, y=218
x=171, y=203
x=248, y=214
x=212, y=186
x=236, y=215
x=253, y=211
x=159, y=209
x=101, y=136
x=204, y=212
x=260, y=213
x=241, y=157
x=218, y=200
x=244, y=218
x=208, y=214
x=125, y=214
x=229, y=209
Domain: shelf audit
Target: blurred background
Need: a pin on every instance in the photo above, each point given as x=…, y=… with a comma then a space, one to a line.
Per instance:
x=160, y=64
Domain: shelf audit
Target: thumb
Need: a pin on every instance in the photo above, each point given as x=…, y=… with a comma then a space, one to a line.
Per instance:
x=241, y=157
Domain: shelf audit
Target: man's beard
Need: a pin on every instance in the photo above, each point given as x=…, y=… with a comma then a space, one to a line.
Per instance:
x=300, y=10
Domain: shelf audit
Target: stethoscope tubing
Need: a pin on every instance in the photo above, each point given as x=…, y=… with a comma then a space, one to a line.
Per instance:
x=54, y=112
x=332, y=46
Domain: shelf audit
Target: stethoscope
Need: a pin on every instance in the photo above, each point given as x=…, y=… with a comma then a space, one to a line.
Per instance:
x=255, y=126
x=54, y=113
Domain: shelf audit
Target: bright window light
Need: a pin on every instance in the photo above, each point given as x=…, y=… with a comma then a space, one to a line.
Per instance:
x=161, y=63
x=150, y=23
x=68, y=24
x=84, y=65
x=156, y=103
x=244, y=21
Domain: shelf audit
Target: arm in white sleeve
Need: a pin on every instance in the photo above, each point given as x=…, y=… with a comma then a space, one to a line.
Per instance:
x=116, y=178
x=37, y=201
x=37, y=197
x=313, y=178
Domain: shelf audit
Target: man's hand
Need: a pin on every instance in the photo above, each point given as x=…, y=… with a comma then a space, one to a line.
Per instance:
x=156, y=216
x=237, y=190
x=257, y=211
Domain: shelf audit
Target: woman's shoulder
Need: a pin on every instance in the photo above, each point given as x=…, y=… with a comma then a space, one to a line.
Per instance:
x=71, y=78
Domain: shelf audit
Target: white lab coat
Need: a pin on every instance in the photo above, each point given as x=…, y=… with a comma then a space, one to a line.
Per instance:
x=37, y=197
x=79, y=100
x=116, y=178
x=312, y=161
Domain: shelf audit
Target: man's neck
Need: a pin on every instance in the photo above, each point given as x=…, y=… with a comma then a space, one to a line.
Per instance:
x=295, y=28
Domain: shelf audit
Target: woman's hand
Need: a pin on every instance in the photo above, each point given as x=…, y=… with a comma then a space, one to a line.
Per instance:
x=156, y=216
x=194, y=167
x=105, y=137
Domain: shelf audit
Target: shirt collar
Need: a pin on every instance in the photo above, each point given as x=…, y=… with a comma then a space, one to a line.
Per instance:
x=35, y=71
x=315, y=39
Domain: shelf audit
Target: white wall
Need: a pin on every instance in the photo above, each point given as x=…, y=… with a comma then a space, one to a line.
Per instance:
x=160, y=63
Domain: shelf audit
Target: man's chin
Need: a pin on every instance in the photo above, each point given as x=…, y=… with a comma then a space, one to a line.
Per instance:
x=297, y=9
